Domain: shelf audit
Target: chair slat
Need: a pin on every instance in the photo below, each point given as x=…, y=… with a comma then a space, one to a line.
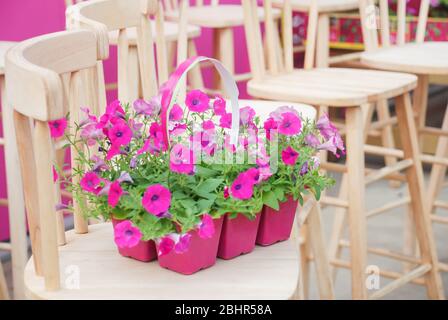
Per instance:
x=401, y=22
x=422, y=20
x=270, y=37
x=384, y=20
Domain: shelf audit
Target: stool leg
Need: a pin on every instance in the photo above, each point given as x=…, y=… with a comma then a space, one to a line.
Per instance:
x=224, y=51
x=4, y=294
x=420, y=103
x=304, y=262
x=415, y=180
x=438, y=171
x=16, y=202
x=323, y=39
x=195, y=74
x=317, y=239
x=387, y=137
x=356, y=209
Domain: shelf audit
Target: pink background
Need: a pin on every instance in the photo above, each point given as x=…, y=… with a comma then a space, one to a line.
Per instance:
x=22, y=19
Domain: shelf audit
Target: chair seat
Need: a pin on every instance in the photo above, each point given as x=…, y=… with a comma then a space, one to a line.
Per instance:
x=323, y=5
x=266, y=273
x=337, y=87
x=171, y=32
x=4, y=46
x=220, y=16
x=420, y=58
x=265, y=107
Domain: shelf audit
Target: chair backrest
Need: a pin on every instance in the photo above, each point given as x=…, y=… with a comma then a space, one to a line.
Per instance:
x=379, y=34
x=279, y=53
x=47, y=77
x=173, y=5
x=104, y=16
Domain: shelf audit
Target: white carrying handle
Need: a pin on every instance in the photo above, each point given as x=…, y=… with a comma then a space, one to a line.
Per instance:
x=172, y=87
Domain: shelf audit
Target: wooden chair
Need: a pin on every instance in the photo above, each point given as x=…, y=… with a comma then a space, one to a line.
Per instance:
x=127, y=47
x=424, y=59
x=15, y=203
x=355, y=90
x=221, y=19
x=44, y=75
x=4, y=294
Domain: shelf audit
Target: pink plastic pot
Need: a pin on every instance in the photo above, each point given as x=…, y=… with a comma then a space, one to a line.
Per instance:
x=144, y=251
x=238, y=236
x=201, y=253
x=276, y=225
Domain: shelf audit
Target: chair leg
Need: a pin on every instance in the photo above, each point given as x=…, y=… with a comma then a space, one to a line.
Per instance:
x=322, y=264
x=323, y=38
x=416, y=186
x=224, y=51
x=16, y=202
x=195, y=75
x=420, y=103
x=438, y=171
x=4, y=294
x=356, y=209
x=304, y=262
x=387, y=137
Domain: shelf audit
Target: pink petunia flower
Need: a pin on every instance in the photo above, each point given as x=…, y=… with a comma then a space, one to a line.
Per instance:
x=165, y=246
x=115, y=192
x=182, y=159
x=270, y=126
x=247, y=115
x=55, y=174
x=290, y=124
x=113, y=151
x=182, y=243
x=289, y=156
x=120, y=134
x=98, y=164
x=197, y=101
x=155, y=143
x=91, y=133
x=176, y=113
x=149, y=108
x=57, y=127
x=206, y=229
x=91, y=182
x=178, y=129
x=226, y=192
x=114, y=109
x=208, y=125
x=242, y=188
x=156, y=200
x=126, y=235
x=312, y=140
x=253, y=175
x=226, y=121
x=219, y=106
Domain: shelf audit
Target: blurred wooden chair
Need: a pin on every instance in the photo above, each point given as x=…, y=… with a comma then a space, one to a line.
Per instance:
x=325, y=8
x=423, y=59
x=129, y=36
x=356, y=90
x=18, y=245
x=221, y=19
x=4, y=294
x=46, y=74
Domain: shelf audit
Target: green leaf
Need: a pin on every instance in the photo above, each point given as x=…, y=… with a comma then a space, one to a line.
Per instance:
x=206, y=172
x=204, y=205
x=270, y=199
x=280, y=194
x=209, y=185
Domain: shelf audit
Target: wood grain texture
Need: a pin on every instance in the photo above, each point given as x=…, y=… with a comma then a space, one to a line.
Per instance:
x=324, y=6
x=267, y=273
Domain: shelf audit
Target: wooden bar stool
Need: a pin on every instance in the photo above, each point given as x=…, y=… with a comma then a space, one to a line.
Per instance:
x=325, y=8
x=355, y=90
x=128, y=39
x=424, y=59
x=89, y=16
x=15, y=203
x=42, y=67
x=221, y=19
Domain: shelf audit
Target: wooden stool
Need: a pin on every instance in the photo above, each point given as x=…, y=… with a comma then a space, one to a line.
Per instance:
x=325, y=284
x=221, y=19
x=15, y=202
x=52, y=273
x=325, y=9
x=423, y=59
x=356, y=90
